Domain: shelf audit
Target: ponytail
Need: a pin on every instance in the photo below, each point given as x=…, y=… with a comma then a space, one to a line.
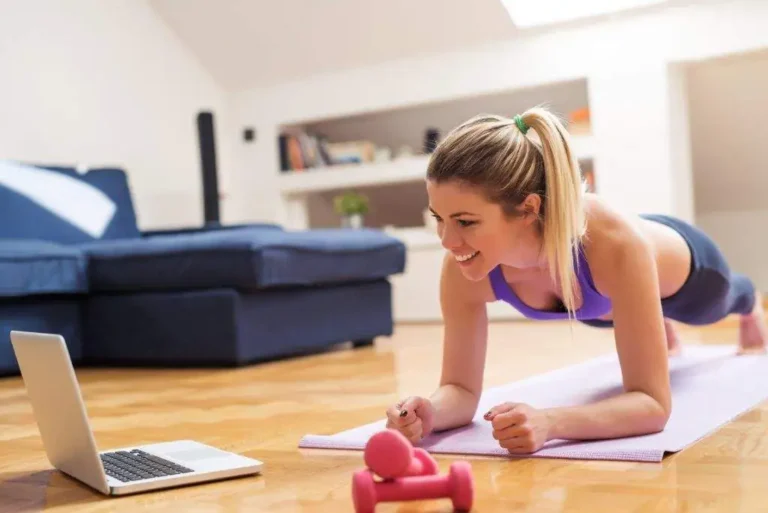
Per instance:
x=564, y=220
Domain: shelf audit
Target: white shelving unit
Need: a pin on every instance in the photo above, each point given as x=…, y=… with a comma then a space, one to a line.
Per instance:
x=299, y=188
x=346, y=176
x=400, y=170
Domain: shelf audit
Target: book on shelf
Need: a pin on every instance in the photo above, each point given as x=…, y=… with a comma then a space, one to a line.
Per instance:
x=301, y=151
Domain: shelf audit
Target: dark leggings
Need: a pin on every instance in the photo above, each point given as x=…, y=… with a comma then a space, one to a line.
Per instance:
x=711, y=292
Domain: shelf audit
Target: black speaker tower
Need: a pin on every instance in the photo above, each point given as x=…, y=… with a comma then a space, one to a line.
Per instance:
x=207, y=146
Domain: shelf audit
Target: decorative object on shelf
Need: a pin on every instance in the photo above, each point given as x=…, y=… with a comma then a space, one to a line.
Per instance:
x=404, y=151
x=579, y=122
x=351, y=206
x=431, y=138
x=349, y=152
x=383, y=154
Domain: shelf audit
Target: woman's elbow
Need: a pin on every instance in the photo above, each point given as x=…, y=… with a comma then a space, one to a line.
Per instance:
x=659, y=422
x=659, y=415
x=655, y=413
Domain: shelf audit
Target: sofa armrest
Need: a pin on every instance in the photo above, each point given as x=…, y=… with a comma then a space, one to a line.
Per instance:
x=207, y=228
x=30, y=267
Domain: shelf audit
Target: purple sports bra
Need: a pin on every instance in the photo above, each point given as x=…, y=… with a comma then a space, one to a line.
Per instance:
x=593, y=306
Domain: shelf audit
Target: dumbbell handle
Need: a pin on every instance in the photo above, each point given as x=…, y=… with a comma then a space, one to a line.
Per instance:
x=415, y=468
x=422, y=464
x=413, y=488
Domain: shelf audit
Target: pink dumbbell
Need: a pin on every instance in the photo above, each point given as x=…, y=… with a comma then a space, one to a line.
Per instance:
x=458, y=485
x=389, y=454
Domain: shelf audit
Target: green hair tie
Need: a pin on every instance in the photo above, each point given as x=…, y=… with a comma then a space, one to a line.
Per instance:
x=521, y=124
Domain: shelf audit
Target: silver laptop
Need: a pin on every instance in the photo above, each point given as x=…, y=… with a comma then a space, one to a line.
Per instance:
x=66, y=433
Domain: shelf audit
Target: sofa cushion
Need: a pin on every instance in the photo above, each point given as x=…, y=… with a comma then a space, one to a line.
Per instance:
x=34, y=267
x=212, y=227
x=245, y=258
x=61, y=205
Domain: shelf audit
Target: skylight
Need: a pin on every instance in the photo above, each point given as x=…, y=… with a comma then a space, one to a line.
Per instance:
x=532, y=13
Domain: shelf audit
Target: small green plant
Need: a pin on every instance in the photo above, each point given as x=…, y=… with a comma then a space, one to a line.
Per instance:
x=351, y=203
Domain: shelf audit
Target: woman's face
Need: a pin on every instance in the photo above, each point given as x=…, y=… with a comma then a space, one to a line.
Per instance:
x=478, y=233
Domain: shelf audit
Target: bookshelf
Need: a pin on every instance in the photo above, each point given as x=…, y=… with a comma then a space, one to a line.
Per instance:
x=402, y=170
x=405, y=169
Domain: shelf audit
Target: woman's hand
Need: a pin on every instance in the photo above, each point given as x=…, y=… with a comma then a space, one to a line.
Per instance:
x=413, y=417
x=519, y=428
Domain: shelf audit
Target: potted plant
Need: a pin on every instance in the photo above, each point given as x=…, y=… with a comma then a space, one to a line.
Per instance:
x=351, y=206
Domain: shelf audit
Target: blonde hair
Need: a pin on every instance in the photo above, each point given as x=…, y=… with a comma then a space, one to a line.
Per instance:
x=496, y=154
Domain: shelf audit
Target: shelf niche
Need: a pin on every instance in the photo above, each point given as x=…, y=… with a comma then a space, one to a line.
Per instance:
x=394, y=178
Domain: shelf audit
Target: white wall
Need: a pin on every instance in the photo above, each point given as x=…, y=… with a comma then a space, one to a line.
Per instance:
x=634, y=125
x=729, y=139
x=106, y=83
x=619, y=58
x=729, y=107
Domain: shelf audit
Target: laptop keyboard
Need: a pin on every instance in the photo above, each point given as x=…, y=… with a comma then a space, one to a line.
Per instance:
x=135, y=465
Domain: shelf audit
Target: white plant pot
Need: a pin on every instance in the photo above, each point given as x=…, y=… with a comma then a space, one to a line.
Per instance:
x=352, y=221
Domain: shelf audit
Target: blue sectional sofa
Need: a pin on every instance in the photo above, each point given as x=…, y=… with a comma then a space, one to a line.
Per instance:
x=73, y=261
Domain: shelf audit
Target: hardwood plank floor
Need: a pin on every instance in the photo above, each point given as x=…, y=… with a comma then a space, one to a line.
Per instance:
x=263, y=411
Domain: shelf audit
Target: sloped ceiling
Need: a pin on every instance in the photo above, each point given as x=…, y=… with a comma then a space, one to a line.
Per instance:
x=255, y=43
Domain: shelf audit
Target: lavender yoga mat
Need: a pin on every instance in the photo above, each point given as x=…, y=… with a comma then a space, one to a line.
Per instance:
x=711, y=385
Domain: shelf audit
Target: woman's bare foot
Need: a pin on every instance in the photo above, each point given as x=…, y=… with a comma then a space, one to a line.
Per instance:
x=673, y=343
x=753, y=332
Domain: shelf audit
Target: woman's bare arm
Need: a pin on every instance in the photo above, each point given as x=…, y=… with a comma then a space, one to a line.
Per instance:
x=464, y=347
x=625, y=269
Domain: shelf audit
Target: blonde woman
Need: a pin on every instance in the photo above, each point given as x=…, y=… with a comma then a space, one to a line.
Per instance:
x=517, y=227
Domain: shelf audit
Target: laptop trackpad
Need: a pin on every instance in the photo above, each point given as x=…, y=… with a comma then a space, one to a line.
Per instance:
x=193, y=454
x=196, y=455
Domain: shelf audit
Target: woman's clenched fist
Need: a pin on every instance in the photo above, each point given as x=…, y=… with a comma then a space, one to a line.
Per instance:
x=413, y=417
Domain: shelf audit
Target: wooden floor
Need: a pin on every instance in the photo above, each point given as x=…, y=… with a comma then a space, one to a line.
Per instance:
x=263, y=411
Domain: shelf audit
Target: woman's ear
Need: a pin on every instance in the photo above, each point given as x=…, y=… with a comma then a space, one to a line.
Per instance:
x=531, y=206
